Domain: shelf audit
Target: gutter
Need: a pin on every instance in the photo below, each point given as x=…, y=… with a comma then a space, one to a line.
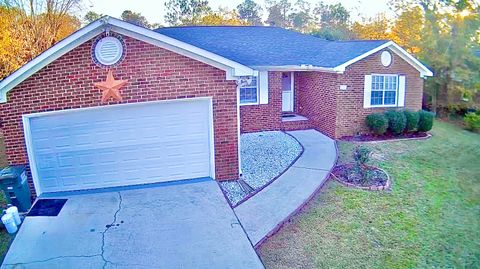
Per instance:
x=302, y=67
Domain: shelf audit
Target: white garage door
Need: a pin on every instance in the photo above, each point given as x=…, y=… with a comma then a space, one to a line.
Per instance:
x=120, y=145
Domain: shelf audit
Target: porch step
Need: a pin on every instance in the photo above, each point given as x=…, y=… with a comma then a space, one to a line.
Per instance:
x=291, y=122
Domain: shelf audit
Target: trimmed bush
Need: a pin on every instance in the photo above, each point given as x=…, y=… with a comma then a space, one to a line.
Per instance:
x=472, y=121
x=425, y=122
x=396, y=121
x=377, y=123
x=412, y=120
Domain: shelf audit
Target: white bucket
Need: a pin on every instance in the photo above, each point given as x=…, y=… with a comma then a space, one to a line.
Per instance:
x=14, y=211
x=9, y=223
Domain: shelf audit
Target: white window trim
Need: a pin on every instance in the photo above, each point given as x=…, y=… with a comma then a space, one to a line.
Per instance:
x=258, y=94
x=396, y=91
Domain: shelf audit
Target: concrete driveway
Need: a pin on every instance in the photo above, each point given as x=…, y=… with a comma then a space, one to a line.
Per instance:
x=185, y=224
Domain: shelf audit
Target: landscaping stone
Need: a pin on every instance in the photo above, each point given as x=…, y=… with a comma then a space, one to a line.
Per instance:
x=233, y=191
x=264, y=156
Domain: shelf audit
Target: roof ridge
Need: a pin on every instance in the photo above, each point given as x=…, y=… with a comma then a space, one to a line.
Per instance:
x=219, y=26
x=361, y=40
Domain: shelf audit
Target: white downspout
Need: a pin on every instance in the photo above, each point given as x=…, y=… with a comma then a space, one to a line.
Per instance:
x=238, y=130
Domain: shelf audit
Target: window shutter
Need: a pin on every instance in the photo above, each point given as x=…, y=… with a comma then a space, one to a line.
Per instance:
x=263, y=76
x=401, y=90
x=367, y=91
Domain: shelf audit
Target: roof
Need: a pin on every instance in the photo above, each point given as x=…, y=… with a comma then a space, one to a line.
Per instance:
x=270, y=46
x=238, y=50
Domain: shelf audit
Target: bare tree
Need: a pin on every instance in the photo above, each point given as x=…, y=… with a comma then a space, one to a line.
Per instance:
x=42, y=23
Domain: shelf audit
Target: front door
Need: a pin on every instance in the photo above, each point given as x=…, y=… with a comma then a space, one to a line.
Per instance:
x=287, y=92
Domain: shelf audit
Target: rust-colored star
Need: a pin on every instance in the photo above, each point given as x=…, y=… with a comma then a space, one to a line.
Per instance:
x=111, y=87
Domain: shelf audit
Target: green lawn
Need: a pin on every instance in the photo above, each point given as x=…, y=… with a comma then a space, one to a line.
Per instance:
x=431, y=218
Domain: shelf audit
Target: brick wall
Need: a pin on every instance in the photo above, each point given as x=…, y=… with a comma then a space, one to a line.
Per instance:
x=153, y=73
x=267, y=117
x=316, y=99
x=351, y=114
x=330, y=110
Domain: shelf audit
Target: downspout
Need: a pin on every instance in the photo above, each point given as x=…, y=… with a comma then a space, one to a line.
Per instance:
x=238, y=129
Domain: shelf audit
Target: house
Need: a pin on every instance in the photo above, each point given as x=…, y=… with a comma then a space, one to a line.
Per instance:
x=116, y=104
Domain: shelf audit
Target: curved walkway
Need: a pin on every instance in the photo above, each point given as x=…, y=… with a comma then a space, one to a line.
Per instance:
x=263, y=214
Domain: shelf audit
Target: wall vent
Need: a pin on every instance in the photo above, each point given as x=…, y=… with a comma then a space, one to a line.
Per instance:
x=108, y=51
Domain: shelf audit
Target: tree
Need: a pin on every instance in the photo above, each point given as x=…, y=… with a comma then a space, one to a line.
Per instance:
x=300, y=19
x=332, y=22
x=10, y=42
x=278, y=11
x=135, y=18
x=222, y=17
x=186, y=12
x=407, y=30
x=450, y=37
x=40, y=24
x=91, y=16
x=251, y=12
x=376, y=28
x=335, y=14
x=448, y=44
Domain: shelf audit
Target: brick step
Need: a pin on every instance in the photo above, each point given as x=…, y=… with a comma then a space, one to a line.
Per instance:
x=295, y=122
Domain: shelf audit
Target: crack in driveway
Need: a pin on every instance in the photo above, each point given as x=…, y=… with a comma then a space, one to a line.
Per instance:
x=101, y=254
x=54, y=258
x=107, y=227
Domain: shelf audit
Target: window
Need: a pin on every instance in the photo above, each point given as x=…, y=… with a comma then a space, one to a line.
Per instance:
x=248, y=90
x=384, y=90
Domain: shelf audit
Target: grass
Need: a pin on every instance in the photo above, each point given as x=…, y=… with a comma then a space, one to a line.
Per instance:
x=430, y=219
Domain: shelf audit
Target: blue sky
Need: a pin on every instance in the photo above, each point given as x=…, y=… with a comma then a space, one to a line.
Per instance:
x=154, y=10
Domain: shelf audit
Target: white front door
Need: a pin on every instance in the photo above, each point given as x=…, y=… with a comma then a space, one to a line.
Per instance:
x=287, y=92
x=120, y=145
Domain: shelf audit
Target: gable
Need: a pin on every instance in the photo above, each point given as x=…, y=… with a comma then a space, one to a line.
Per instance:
x=150, y=71
x=398, y=51
x=81, y=36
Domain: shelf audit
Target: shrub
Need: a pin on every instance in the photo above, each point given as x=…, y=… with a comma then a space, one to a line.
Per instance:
x=377, y=123
x=472, y=120
x=361, y=155
x=396, y=121
x=412, y=120
x=425, y=121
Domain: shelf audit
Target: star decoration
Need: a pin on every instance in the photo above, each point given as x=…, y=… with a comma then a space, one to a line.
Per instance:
x=111, y=87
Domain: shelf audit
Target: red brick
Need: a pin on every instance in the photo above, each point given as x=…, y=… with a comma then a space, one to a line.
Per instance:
x=153, y=73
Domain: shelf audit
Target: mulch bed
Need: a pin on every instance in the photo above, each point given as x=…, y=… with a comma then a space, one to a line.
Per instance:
x=387, y=136
x=348, y=175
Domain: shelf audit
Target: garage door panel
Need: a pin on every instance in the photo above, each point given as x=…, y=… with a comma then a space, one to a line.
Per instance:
x=122, y=145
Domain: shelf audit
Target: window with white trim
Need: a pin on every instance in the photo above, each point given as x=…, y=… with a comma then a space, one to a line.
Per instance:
x=248, y=87
x=384, y=90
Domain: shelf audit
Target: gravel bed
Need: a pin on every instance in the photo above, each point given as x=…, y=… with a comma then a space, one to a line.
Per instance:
x=264, y=156
x=233, y=191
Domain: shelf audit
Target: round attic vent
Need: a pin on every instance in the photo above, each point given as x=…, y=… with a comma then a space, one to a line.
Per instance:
x=108, y=50
x=386, y=58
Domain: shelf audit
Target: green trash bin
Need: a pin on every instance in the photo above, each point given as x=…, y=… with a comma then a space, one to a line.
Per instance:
x=13, y=181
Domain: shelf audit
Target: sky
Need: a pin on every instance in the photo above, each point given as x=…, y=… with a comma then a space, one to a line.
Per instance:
x=154, y=10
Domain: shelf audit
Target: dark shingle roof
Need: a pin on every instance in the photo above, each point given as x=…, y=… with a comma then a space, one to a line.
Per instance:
x=270, y=46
